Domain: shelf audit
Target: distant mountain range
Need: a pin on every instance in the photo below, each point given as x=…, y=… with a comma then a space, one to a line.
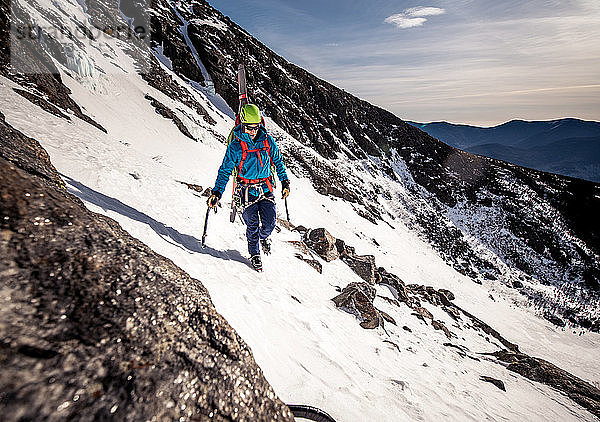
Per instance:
x=570, y=147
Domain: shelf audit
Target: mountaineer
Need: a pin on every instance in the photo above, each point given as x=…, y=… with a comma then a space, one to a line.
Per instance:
x=252, y=155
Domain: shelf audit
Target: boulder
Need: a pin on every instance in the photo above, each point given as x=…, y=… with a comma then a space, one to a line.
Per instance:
x=393, y=281
x=357, y=298
x=322, y=242
x=342, y=248
x=363, y=265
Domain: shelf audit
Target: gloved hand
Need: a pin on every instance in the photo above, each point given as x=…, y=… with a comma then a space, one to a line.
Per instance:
x=285, y=185
x=213, y=199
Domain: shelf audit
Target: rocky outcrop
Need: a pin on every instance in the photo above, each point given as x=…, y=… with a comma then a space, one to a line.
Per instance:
x=95, y=325
x=498, y=383
x=357, y=298
x=363, y=265
x=322, y=242
x=544, y=372
x=27, y=63
x=167, y=113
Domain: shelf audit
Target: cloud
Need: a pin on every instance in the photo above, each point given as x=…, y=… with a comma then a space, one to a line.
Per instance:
x=413, y=16
x=424, y=11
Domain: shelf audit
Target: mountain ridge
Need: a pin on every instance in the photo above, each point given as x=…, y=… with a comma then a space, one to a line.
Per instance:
x=567, y=146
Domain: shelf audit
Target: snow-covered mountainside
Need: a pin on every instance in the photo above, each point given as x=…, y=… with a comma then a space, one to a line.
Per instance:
x=440, y=263
x=487, y=218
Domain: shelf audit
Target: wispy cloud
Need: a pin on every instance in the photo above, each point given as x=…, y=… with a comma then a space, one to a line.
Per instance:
x=413, y=16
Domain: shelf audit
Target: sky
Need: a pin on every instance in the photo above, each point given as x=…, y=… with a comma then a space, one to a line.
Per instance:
x=478, y=62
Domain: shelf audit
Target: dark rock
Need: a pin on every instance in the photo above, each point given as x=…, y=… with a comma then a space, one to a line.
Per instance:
x=391, y=280
x=27, y=154
x=439, y=325
x=389, y=300
x=559, y=322
x=363, y=265
x=452, y=311
x=393, y=344
x=449, y=295
x=422, y=313
x=498, y=383
x=357, y=298
x=387, y=317
x=462, y=351
x=96, y=326
x=45, y=105
x=542, y=371
x=312, y=262
x=405, y=328
x=322, y=242
x=196, y=188
x=167, y=113
x=517, y=284
x=340, y=245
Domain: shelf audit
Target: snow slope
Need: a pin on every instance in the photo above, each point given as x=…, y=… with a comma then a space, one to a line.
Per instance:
x=311, y=352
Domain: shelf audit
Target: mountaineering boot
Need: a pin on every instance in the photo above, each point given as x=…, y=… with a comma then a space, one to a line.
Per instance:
x=256, y=263
x=265, y=244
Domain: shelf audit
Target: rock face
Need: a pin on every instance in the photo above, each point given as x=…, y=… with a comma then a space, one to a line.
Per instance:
x=96, y=326
x=543, y=371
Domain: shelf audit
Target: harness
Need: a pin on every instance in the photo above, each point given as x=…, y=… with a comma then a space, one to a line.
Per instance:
x=244, y=183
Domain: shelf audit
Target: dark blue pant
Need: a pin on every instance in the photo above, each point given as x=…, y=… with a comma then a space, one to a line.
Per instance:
x=260, y=222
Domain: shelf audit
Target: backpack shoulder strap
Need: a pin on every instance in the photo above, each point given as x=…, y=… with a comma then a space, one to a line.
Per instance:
x=244, y=146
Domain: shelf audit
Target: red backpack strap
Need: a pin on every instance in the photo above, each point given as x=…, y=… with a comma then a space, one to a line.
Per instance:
x=244, y=146
x=268, y=148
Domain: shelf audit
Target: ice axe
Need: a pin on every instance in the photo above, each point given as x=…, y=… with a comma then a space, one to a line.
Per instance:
x=206, y=224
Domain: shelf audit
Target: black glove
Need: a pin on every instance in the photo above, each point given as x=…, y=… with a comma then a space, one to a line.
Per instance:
x=213, y=199
x=285, y=186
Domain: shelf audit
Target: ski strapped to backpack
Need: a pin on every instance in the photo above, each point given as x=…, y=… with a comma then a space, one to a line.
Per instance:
x=241, y=183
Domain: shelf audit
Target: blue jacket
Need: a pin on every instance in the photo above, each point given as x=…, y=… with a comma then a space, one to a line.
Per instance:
x=252, y=168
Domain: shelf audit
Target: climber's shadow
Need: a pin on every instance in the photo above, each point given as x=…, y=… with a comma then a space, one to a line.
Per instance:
x=171, y=235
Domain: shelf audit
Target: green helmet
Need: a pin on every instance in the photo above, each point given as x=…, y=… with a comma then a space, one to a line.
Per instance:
x=250, y=114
